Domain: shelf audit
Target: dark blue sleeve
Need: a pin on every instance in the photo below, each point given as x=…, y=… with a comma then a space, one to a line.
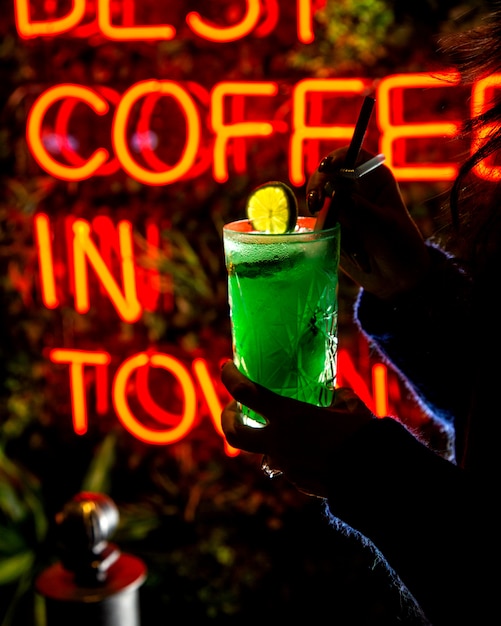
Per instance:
x=424, y=513
x=428, y=516
x=425, y=336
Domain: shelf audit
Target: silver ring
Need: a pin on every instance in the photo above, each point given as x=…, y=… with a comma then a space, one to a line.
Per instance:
x=269, y=471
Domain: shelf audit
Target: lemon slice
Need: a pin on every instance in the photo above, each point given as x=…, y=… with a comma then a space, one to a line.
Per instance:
x=272, y=208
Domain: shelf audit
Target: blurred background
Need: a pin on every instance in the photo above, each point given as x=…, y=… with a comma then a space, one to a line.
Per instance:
x=221, y=541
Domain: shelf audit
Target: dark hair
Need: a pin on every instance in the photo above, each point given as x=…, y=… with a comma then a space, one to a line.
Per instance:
x=476, y=54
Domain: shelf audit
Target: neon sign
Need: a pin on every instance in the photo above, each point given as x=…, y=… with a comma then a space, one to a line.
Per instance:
x=307, y=99
x=259, y=17
x=133, y=372
x=227, y=115
x=216, y=128
x=195, y=382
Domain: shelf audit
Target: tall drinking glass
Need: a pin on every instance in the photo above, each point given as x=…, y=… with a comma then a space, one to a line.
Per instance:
x=282, y=292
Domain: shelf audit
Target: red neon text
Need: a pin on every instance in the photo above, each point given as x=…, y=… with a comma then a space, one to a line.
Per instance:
x=107, y=250
x=257, y=17
x=193, y=386
x=230, y=127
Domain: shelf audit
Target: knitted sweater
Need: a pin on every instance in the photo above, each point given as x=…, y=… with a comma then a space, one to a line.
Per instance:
x=431, y=518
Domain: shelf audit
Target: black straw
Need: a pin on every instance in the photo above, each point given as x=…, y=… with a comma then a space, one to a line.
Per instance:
x=327, y=216
x=359, y=133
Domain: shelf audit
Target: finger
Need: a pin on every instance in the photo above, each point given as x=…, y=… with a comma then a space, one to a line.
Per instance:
x=346, y=401
x=272, y=406
x=336, y=160
x=328, y=179
x=343, y=398
x=316, y=194
x=239, y=435
x=239, y=386
x=229, y=416
x=246, y=391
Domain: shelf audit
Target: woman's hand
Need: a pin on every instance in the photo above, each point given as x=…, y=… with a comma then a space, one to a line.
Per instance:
x=299, y=439
x=381, y=247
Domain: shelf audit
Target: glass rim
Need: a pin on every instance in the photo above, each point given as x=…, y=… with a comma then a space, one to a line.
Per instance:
x=243, y=228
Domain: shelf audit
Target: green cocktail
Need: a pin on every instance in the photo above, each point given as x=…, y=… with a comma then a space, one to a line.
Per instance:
x=282, y=292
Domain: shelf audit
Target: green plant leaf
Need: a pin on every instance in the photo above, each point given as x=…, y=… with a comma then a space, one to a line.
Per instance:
x=97, y=478
x=14, y=567
x=11, y=541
